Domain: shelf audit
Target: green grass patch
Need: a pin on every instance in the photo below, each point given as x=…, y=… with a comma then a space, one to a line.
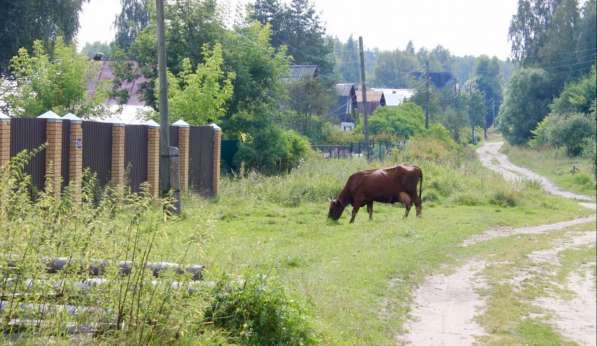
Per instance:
x=358, y=278
x=574, y=174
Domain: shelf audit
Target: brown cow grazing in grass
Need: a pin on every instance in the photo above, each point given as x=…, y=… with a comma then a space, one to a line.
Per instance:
x=385, y=185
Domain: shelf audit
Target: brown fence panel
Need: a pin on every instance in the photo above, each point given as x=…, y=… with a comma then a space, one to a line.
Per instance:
x=29, y=134
x=97, y=149
x=135, y=155
x=201, y=159
x=65, y=152
x=173, y=136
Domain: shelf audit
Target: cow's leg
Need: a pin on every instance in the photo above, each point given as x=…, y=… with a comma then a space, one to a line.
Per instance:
x=370, y=210
x=355, y=210
x=405, y=199
x=418, y=205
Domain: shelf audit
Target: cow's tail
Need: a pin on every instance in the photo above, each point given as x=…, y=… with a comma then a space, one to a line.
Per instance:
x=421, y=185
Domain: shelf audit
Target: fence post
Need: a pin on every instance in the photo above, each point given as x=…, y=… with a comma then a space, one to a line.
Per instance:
x=75, y=156
x=53, y=151
x=183, y=147
x=4, y=139
x=217, y=139
x=118, y=155
x=153, y=158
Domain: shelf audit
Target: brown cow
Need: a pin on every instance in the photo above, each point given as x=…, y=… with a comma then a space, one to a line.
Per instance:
x=385, y=185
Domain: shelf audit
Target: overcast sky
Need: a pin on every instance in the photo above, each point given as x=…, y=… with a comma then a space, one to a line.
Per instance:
x=472, y=27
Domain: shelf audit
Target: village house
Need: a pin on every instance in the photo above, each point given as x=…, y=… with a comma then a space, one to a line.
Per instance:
x=135, y=109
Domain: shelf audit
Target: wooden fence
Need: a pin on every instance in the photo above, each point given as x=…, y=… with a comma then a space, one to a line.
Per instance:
x=118, y=154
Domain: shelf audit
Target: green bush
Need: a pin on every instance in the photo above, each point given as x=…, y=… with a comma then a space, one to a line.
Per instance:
x=272, y=150
x=403, y=121
x=569, y=131
x=258, y=311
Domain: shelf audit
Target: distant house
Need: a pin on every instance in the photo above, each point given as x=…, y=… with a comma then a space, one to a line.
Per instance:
x=375, y=99
x=129, y=112
x=298, y=72
x=346, y=102
x=394, y=97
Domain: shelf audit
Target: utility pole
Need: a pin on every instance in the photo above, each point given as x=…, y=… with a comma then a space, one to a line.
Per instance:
x=164, y=126
x=364, y=94
x=427, y=93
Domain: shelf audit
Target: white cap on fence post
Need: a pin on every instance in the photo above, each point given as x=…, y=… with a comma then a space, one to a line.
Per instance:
x=51, y=116
x=4, y=117
x=152, y=123
x=181, y=123
x=215, y=127
x=72, y=118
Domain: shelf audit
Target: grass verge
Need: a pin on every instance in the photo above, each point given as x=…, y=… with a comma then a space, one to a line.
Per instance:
x=574, y=174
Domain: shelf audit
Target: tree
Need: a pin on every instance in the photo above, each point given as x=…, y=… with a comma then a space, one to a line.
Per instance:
x=133, y=18
x=528, y=29
x=487, y=81
x=475, y=105
x=526, y=103
x=308, y=97
x=202, y=94
x=258, y=87
x=57, y=83
x=25, y=21
x=298, y=27
x=587, y=37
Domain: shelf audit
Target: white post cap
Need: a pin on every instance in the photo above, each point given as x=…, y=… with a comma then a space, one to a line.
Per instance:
x=215, y=127
x=152, y=123
x=72, y=118
x=51, y=116
x=4, y=117
x=181, y=123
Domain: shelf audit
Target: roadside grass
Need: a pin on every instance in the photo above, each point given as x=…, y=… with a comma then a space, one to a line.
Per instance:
x=358, y=278
x=557, y=167
x=514, y=282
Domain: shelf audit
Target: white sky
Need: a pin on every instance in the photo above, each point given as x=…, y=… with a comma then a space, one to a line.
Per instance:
x=472, y=27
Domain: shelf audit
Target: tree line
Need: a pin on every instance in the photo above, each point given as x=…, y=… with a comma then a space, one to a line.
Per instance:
x=550, y=100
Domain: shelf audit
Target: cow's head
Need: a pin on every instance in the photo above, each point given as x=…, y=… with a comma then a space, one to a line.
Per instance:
x=336, y=209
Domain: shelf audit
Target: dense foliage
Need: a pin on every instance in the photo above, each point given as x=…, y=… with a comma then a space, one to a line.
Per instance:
x=25, y=21
x=57, y=82
x=403, y=121
x=200, y=95
x=525, y=105
x=555, y=42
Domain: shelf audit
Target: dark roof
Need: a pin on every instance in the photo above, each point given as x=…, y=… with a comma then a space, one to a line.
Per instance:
x=298, y=72
x=106, y=73
x=439, y=79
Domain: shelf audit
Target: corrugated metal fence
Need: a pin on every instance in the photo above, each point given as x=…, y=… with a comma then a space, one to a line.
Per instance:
x=29, y=134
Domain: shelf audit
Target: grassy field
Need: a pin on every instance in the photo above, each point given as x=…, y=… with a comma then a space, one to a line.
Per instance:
x=355, y=280
x=556, y=166
x=358, y=278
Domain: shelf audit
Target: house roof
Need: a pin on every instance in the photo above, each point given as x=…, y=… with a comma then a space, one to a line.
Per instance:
x=372, y=96
x=395, y=97
x=298, y=72
x=106, y=74
x=343, y=89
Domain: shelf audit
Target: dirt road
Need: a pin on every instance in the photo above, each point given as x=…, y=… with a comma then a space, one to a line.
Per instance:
x=445, y=306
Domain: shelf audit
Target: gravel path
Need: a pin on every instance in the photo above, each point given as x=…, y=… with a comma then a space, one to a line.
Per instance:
x=491, y=158
x=445, y=306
